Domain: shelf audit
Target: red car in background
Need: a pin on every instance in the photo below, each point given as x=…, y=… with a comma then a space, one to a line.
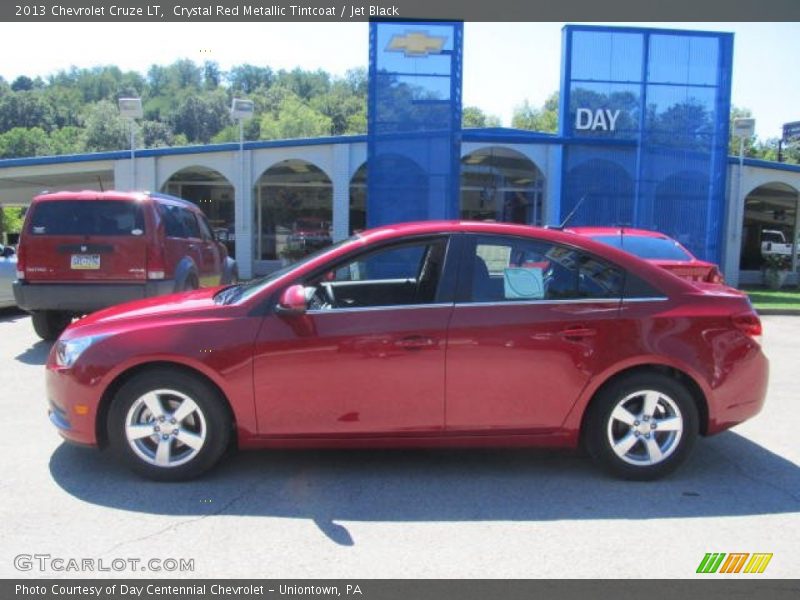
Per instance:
x=421, y=334
x=656, y=248
x=83, y=251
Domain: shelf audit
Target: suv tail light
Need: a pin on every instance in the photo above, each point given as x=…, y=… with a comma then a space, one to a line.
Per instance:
x=20, y=261
x=749, y=324
x=156, y=265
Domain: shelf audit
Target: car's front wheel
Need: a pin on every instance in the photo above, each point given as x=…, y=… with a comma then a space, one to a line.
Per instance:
x=168, y=426
x=641, y=426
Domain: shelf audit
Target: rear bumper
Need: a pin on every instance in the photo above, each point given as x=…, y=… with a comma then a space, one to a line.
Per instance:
x=86, y=297
x=742, y=396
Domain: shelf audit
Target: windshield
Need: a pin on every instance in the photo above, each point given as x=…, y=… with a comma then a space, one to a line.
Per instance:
x=651, y=248
x=243, y=291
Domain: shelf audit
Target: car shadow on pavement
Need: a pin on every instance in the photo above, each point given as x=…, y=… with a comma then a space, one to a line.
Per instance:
x=35, y=354
x=727, y=475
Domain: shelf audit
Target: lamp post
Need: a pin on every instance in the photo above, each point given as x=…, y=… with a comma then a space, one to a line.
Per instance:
x=131, y=109
x=241, y=110
x=743, y=129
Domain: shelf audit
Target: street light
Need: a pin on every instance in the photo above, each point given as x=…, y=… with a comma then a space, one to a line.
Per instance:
x=241, y=110
x=131, y=109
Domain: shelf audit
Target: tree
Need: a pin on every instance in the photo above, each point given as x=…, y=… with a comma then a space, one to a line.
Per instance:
x=22, y=141
x=67, y=140
x=246, y=79
x=472, y=116
x=294, y=119
x=105, y=129
x=199, y=116
x=544, y=119
x=22, y=84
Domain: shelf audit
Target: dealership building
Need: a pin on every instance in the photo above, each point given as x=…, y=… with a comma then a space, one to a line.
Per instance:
x=642, y=142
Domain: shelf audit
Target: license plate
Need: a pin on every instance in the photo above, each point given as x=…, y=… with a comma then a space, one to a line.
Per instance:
x=85, y=261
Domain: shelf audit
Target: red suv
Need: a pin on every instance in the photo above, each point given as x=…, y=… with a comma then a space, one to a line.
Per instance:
x=82, y=251
x=424, y=334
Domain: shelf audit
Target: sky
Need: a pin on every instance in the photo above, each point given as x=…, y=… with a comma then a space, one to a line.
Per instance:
x=504, y=63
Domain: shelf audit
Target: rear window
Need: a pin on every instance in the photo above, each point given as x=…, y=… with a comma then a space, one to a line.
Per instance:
x=87, y=217
x=651, y=248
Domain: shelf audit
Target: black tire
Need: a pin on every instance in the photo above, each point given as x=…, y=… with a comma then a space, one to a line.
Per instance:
x=674, y=401
x=214, y=422
x=49, y=324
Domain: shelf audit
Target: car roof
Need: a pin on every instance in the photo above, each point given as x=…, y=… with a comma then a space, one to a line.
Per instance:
x=632, y=231
x=89, y=195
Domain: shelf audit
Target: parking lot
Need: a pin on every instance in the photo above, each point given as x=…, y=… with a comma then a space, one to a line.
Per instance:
x=357, y=514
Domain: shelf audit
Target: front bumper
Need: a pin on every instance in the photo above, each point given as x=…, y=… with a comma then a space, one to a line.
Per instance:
x=72, y=405
x=85, y=297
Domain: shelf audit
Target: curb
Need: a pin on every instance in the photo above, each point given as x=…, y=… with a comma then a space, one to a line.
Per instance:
x=784, y=312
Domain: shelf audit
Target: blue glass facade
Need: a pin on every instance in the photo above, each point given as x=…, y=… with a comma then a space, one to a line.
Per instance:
x=414, y=121
x=644, y=118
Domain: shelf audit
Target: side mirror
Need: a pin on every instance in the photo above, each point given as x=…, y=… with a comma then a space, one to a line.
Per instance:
x=293, y=301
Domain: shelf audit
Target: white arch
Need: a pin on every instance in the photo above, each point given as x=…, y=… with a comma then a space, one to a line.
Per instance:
x=169, y=165
x=264, y=159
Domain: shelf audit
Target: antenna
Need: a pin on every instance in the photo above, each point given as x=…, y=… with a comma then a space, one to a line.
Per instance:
x=100, y=183
x=572, y=212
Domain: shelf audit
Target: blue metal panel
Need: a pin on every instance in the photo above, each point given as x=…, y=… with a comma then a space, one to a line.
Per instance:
x=414, y=121
x=667, y=93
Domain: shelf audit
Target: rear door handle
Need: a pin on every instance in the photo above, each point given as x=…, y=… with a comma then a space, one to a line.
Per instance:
x=415, y=342
x=577, y=333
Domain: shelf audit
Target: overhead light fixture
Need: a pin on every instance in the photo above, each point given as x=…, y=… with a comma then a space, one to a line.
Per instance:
x=130, y=108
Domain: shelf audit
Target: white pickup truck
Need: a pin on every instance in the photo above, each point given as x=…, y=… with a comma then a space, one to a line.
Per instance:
x=773, y=242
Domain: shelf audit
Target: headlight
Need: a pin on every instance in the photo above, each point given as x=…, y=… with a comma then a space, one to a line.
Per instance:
x=68, y=351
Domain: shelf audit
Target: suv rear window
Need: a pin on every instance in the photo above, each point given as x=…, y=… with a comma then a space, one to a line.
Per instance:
x=87, y=217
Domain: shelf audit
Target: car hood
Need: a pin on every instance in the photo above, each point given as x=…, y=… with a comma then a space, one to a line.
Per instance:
x=184, y=305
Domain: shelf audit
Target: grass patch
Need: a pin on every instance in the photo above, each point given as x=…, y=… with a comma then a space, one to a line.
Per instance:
x=765, y=298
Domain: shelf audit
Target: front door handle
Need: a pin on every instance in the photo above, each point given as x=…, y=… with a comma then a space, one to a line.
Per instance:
x=415, y=342
x=577, y=333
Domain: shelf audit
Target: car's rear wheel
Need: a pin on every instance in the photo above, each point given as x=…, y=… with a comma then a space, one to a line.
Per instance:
x=49, y=324
x=168, y=426
x=642, y=426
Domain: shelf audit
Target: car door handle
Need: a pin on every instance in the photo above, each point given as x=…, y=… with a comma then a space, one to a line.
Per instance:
x=415, y=342
x=577, y=333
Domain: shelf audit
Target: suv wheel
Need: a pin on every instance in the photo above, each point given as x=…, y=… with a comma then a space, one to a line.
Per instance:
x=49, y=324
x=642, y=426
x=168, y=426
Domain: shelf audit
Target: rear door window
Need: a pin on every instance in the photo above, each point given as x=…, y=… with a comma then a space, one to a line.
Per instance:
x=87, y=217
x=179, y=222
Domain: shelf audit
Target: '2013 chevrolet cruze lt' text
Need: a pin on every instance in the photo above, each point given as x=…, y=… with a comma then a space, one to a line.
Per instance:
x=421, y=334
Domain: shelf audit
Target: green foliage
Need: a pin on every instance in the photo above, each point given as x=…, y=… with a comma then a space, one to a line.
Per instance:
x=75, y=110
x=11, y=218
x=105, y=129
x=472, y=116
x=294, y=119
x=21, y=141
x=543, y=119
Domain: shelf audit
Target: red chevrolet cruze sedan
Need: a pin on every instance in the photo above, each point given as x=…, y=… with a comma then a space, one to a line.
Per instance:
x=423, y=334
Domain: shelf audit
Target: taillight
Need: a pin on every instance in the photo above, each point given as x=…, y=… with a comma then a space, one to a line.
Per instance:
x=749, y=324
x=20, y=261
x=156, y=266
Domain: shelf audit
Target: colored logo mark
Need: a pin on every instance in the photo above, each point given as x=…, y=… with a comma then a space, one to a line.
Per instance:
x=735, y=562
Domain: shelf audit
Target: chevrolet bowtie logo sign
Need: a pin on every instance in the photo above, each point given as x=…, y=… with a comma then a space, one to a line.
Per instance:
x=416, y=44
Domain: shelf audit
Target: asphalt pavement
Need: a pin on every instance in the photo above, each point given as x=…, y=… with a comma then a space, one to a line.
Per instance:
x=386, y=514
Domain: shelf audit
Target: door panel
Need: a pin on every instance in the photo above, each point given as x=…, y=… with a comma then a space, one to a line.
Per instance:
x=532, y=320
x=522, y=366
x=369, y=371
